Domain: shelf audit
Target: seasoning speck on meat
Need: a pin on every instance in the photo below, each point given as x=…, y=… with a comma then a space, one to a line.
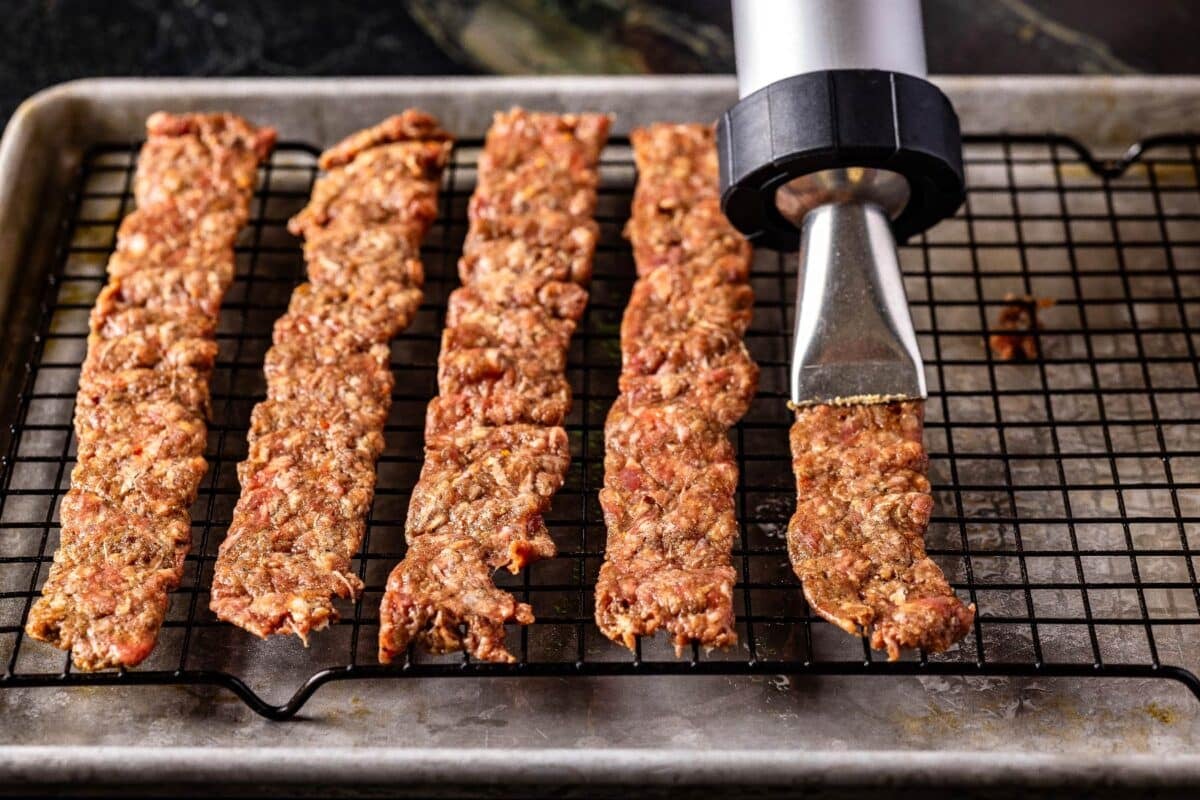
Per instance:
x=309, y=476
x=495, y=449
x=857, y=540
x=686, y=377
x=143, y=401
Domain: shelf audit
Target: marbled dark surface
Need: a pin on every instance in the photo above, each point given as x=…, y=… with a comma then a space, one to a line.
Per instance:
x=48, y=41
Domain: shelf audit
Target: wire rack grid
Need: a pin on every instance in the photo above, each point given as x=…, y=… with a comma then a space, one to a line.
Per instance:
x=1067, y=487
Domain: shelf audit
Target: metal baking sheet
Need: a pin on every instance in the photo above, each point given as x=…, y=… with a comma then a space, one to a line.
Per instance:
x=538, y=734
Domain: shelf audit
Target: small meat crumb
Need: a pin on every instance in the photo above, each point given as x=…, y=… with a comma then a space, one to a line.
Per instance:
x=1019, y=322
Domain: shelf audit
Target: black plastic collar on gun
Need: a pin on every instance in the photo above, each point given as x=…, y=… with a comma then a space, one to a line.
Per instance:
x=839, y=118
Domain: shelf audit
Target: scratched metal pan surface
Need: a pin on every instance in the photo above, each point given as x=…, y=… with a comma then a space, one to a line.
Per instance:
x=1068, y=488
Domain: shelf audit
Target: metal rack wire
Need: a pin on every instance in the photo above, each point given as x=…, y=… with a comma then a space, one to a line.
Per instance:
x=1067, y=488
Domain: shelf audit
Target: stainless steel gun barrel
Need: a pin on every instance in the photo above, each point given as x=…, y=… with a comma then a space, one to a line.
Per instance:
x=837, y=148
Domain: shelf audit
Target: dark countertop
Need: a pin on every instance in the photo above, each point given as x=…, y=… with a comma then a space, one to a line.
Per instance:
x=49, y=41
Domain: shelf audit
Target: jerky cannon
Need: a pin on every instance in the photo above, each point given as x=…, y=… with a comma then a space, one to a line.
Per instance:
x=839, y=147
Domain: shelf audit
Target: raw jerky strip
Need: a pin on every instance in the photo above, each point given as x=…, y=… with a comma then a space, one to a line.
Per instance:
x=309, y=478
x=495, y=449
x=857, y=538
x=143, y=400
x=669, y=470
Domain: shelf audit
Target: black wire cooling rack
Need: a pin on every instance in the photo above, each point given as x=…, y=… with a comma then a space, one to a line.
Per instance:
x=1067, y=488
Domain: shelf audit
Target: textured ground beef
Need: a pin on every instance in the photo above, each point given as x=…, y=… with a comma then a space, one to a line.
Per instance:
x=669, y=470
x=309, y=476
x=1015, y=336
x=495, y=449
x=143, y=400
x=857, y=538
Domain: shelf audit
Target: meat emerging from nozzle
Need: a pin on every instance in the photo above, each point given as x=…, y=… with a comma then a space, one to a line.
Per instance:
x=857, y=539
x=495, y=448
x=308, y=479
x=142, y=408
x=669, y=471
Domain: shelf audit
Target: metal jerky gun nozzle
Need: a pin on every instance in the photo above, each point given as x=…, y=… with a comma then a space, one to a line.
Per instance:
x=840, y=147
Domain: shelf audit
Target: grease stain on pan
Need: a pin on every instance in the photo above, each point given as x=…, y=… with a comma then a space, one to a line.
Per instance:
x=1051, y=720
x=1163, y=713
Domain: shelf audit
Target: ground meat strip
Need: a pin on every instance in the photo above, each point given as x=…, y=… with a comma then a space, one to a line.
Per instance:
x=143, y=400
x=669, y=470
x=495, y=449
x=309, y=476
x=857, y=538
